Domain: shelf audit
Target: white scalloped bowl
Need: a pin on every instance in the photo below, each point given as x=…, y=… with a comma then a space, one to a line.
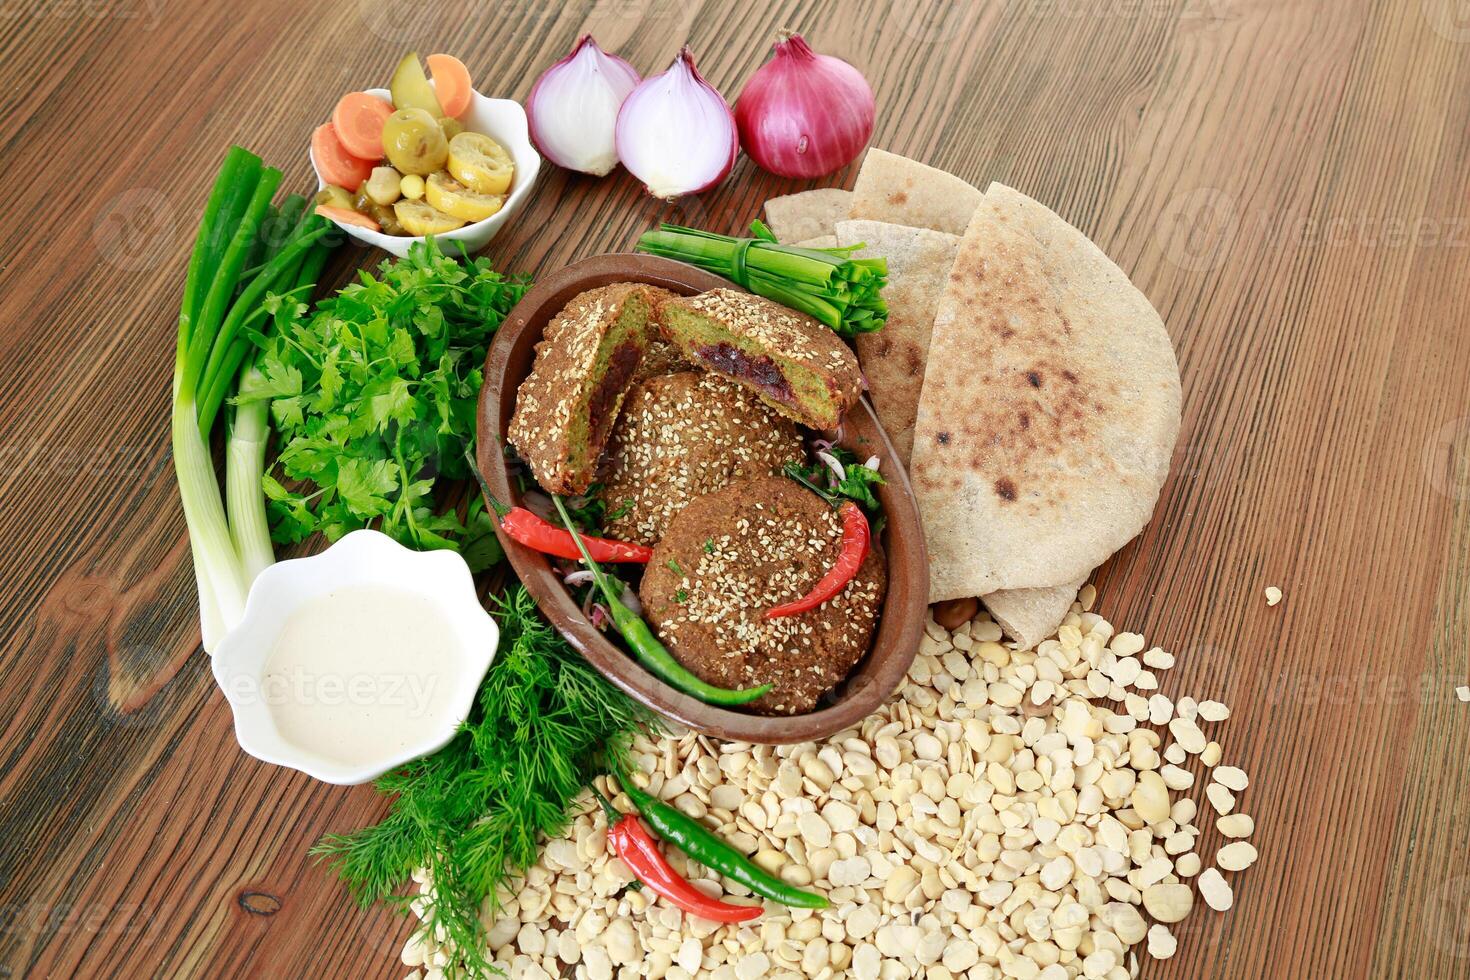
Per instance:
x=362, y=558
x=503, y=120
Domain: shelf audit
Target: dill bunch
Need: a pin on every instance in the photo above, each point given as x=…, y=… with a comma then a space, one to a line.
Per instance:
x=476, y=813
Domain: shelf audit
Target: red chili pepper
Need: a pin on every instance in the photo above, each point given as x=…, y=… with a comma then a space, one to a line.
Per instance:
x=530, y=530
x=632, y=842
x=856, y=539
x=522, y=525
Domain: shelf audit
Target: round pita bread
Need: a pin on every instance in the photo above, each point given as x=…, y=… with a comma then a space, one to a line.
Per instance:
x=807, y=214
x=893, y=358
x=905, y=192
x=1049, y=410
x=1029, y=616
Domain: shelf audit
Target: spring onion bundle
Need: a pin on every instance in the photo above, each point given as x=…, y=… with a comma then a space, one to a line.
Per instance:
x=226, y=298
x=827, y=284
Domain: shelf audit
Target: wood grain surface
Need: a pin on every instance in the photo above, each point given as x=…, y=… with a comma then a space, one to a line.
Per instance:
x=1287, y=180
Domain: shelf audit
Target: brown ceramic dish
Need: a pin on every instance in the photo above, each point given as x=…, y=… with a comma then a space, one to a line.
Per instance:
x=904, y=609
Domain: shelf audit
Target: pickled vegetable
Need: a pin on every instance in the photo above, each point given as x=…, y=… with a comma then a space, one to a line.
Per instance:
x=457, y=200
x=480, y=163
x=334, y=197
x=412, y=186
x=411, y=89
x=359, y=119
x=452, y=127
x=347, y=216
x=414, y=142
x=419, y=218
x=383, y=187
x=452, y=85
x=336, y=164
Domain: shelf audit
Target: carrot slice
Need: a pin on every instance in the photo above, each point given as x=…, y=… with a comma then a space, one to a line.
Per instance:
x=452, y=83
x=359, y=119
x=345, y=217
x=334, y=162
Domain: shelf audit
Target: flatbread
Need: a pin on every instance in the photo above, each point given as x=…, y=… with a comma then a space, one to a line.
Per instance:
x=821, y=241
x=905, y=192
x=1029, y=616
x=893, y=358
x=808, y=214
x=1049, y=410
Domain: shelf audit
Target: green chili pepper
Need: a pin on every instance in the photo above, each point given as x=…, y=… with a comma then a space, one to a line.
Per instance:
x=700, y=843
x=645, y=647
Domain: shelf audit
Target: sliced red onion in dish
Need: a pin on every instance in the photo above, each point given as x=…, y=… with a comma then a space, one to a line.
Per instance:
x=676, y=133
x=573, y=108
x=833, y=465
x=581, y=576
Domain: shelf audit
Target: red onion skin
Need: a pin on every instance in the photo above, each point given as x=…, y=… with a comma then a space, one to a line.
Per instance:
x=787, y=110
x=624, y=135
x=537, y=137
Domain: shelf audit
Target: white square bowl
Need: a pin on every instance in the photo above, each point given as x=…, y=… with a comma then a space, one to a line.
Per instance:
x=362, y=558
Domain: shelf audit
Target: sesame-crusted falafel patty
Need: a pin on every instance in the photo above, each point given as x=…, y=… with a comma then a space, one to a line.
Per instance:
x=566, y=407
x=680, y=437
x=727, y=558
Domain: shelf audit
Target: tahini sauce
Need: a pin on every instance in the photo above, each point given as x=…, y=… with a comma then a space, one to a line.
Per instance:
x=359, y=673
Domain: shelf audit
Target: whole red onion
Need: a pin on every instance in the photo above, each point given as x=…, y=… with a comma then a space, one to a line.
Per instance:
x=804, y=114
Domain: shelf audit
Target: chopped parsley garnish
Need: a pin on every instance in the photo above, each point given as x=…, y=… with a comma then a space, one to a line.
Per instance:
x=681, y=596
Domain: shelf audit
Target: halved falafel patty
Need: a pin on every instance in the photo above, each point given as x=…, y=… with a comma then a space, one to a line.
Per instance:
x=586, y=360
x=727, y=558
x=680, y=437
x=792, y=362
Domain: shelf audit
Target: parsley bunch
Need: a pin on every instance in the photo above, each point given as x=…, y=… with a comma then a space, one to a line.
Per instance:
x=374, y=398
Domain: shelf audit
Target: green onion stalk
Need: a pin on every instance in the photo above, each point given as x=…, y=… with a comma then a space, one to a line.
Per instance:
x=223, y=302
x=827, y=284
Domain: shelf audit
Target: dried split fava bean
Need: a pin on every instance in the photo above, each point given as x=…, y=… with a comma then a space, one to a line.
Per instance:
x=1168, y=903
x=1215, y=890
x=1273, y=595
x=1236, y=825
x=1236, y=856
x=1231, y=777
x=1220, y=798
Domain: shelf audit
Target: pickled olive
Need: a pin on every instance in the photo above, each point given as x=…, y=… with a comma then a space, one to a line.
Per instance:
x=419, y=218
x=480, y=163
x=453, y=198
x=383, y=187
x=412, y=186
x=414, y=142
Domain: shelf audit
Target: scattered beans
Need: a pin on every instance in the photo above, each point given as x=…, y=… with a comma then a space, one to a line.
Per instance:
x=1008, y=814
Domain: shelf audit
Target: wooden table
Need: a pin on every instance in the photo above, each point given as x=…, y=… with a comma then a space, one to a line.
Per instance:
x=1287, y=181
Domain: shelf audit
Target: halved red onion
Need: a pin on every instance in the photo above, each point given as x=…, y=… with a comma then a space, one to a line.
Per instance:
x=573, y=108
x=676, y=133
